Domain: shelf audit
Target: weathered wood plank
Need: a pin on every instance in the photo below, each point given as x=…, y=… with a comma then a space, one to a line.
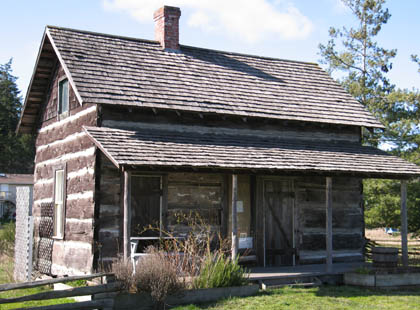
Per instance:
x=76, y=291
x=16, y=286
x=329, y=234
x=127, y=220
x=404, y=246
x=234, y=216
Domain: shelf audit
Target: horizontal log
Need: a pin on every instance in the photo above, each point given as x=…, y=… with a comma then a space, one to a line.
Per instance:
x=85, y=305
x=16, y=286
x=72, y=292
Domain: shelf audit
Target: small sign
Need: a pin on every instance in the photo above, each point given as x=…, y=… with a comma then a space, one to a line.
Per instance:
x=240, y=206
x=245, y=243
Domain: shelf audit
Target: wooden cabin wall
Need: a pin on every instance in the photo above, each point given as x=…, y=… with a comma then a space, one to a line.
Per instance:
x=195, y=196
x=109, y=219
x=307, y=200
x=348, y=229
x=133, y=118
x=204, y=194
x=64, y=142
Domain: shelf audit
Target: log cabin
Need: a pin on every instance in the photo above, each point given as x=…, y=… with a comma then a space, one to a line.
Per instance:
x=130, y=132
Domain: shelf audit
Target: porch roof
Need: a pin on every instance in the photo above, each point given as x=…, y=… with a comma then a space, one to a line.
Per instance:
x=171, y=148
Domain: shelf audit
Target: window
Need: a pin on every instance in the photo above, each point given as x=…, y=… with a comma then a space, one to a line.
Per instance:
x=63, y=96
x=59, y=202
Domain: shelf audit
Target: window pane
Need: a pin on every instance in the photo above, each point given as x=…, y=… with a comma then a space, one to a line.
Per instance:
x=58, y=220
x=58, y=204
x=59, y=184
x=63, y=97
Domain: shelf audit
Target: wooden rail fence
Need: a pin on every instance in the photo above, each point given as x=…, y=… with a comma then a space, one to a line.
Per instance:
x=102, y=289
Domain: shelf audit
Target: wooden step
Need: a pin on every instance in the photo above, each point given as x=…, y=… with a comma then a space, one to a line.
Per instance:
x=308, y=283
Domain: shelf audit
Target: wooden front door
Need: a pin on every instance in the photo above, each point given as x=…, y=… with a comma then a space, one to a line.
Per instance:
x=278, y=206
x=146, y=205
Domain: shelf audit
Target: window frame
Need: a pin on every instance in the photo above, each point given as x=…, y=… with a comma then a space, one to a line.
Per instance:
x=62, y=167
x=64, y=114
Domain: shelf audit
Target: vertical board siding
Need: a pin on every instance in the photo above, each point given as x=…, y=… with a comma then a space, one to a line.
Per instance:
x=347, y=218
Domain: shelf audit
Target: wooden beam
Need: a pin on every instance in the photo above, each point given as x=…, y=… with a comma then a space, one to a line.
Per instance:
x=404, y=247
x=25, y=285
x=164, y=214
x=105, y=304
x=328, y=230
x=72, y=292
x=126, y=222
x=234, y=216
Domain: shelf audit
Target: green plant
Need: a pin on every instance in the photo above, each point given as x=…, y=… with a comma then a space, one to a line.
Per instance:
x=7, y=239
x=77, y=283
x=363, y=270
x=220, y=271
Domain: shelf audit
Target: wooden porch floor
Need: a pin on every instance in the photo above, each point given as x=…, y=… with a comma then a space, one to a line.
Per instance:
x=267, y=273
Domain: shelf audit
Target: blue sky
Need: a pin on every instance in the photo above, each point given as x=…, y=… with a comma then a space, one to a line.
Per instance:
x=276, y=28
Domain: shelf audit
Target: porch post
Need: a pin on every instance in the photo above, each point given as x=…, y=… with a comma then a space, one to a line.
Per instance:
x=126, y=227
x=234, y=216
x=404, y=247
x=329, y=233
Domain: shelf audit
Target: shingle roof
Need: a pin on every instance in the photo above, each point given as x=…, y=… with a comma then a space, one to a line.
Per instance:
x=170, y=148
x=24, y=179
x=116, y=70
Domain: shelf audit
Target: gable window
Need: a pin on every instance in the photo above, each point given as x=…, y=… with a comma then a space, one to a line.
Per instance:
x=59, y=202
x=63, y=96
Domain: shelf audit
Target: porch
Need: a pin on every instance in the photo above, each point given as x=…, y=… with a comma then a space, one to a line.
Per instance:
x=290, y=202
x=299, y=273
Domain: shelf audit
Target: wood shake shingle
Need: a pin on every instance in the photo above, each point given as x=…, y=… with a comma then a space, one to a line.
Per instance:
x=115, y=70
x=172, y=148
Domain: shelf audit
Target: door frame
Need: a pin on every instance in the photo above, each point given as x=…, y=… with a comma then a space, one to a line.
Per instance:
x=161, y=198
x=264, y=208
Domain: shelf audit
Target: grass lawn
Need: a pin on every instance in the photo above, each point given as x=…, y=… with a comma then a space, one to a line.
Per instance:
x=325, y=298
x=6, y=276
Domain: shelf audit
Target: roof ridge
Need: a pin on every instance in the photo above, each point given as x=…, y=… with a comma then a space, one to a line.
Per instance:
x=102, y=34
x=181, y=45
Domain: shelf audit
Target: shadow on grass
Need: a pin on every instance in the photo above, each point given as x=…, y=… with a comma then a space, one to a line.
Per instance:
x=354, y=291
x=323, y=291
x=214, y=303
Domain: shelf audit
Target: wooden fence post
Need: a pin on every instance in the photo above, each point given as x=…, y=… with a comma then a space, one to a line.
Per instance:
x=234, y=216
x=404, y=246
x=127, y=220
x=329, y=233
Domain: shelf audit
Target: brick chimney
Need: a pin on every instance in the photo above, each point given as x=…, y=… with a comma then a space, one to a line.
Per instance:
x=167, y=27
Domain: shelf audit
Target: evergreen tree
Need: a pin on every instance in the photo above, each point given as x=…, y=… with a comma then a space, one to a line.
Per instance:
x=354, y=53
x=363, y=66
x=16, y=151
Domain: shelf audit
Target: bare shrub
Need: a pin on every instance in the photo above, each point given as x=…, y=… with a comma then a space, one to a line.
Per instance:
x=157, y=275
x=123, y=271
x=190, y=250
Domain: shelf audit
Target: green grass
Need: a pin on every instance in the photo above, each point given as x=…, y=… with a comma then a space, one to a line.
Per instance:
x=322, y=298
x=6, y=273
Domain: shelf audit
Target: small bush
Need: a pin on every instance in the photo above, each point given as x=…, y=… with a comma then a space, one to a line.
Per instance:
x=157, y=275
x=220, y=271
x=7, y=239
x=123, y=271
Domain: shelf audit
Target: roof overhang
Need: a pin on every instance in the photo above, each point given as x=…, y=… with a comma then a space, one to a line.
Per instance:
x=142, y=149
x=36, y=95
